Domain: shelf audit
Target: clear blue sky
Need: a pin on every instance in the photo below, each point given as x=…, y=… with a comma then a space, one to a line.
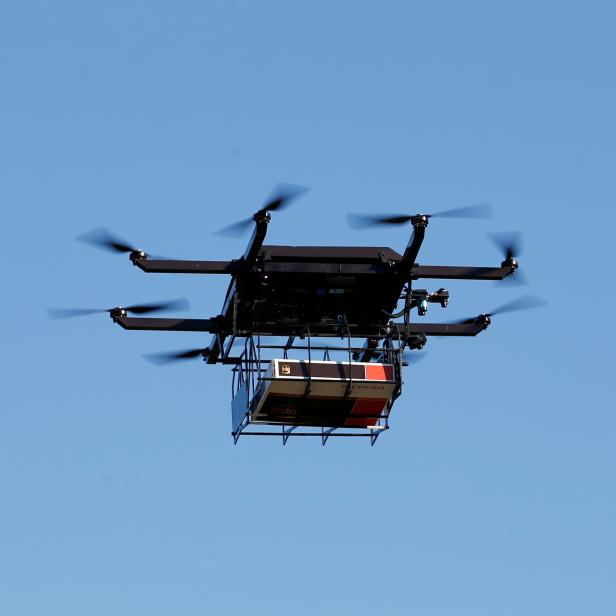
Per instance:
x=120, y=489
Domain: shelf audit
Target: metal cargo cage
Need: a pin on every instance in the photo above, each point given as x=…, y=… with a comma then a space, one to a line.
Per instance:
x=309, y=397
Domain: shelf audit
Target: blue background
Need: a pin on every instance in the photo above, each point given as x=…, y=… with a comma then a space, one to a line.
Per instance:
x=120, y=489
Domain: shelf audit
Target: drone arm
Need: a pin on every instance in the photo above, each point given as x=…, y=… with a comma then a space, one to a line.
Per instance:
x=420, y=223
x=446, y=329
x=168, y=325
x=215, y=326
x=258, y=237
x=268, y=267
x=164, y=266
x=462, y=273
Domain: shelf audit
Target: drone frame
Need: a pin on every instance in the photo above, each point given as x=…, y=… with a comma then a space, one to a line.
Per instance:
x=266, y=263
x=308, y=292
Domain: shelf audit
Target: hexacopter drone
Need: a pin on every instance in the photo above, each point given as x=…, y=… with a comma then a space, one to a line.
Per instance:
x=292, y=316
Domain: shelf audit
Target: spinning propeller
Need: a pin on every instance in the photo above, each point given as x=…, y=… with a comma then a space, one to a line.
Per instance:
x=282, y=198
x=510, y=246
x=359, y=221
x=525, y=302
x=161, y=359
x=66, y=313
x=509, y=243
x=104, y=239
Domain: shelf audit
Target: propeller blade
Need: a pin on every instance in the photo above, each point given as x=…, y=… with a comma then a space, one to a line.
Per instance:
x=68, y=313
x=360, y=221
x=103, y=238
x=175, y=304
x=479, y=210
x=525, y=302
x=161, y=359
x=508, y=243
x=284, y=195
x=106, y=240
x=236, y=229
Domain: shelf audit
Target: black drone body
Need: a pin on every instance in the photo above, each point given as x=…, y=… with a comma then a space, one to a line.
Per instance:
x=311, y=295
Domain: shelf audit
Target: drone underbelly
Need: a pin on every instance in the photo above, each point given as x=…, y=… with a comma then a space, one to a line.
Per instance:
x=284, y=298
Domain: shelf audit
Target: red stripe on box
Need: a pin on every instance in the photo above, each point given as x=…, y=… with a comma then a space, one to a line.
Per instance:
x=378, y=372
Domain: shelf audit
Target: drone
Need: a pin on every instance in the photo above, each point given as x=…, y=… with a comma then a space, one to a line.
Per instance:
x=316, y=336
